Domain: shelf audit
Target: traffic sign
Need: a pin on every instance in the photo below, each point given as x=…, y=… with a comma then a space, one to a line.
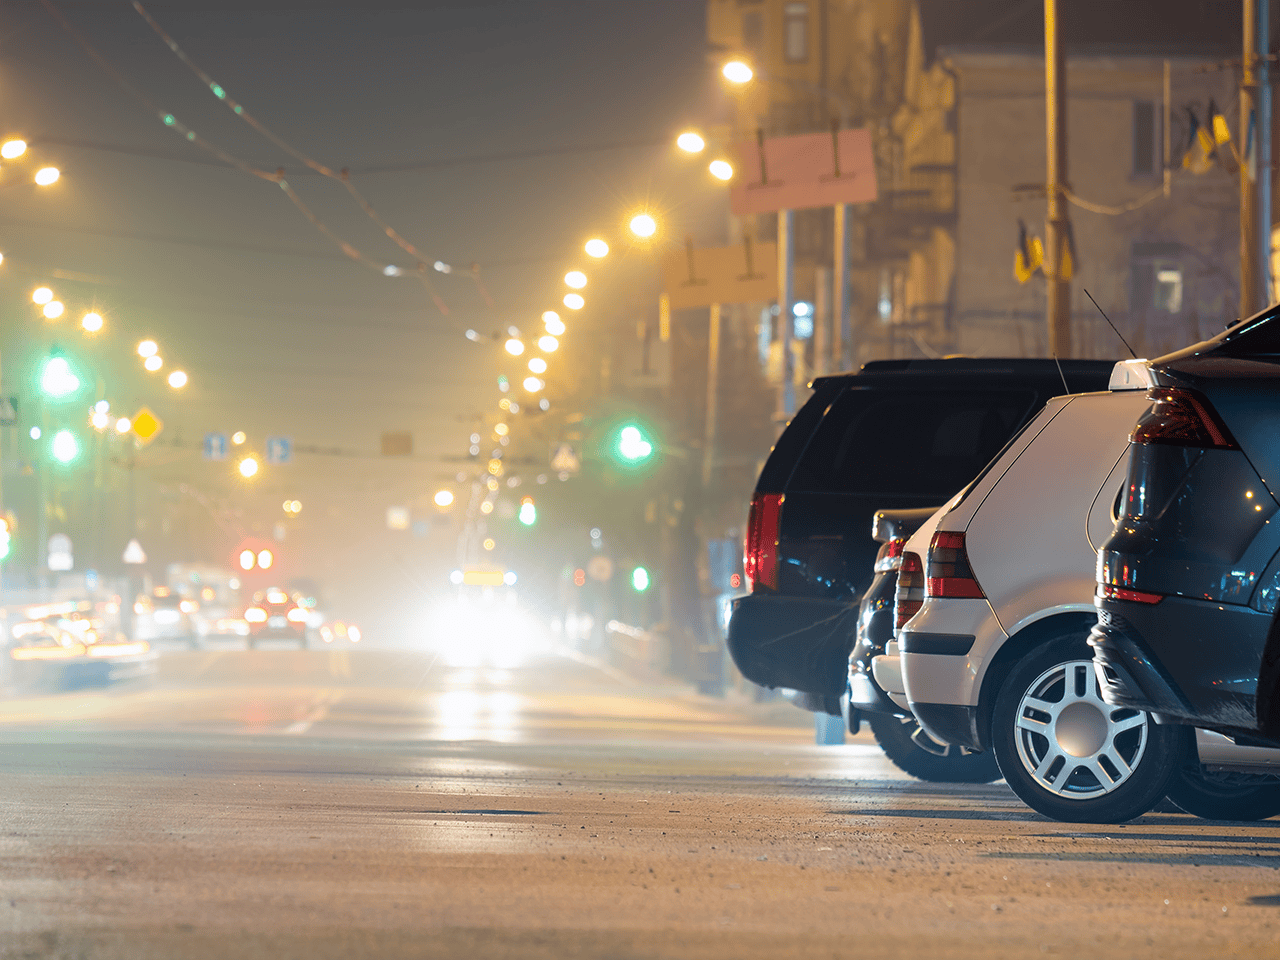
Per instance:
x=8, y=411
x=215, y=446
x=279, y=450
x=145, y=426
x=133, y=553
x=564, y=459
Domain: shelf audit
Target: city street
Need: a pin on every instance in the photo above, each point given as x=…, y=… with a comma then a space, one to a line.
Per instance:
x=283, y=803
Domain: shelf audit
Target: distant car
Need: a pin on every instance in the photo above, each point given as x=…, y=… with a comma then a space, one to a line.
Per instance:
x=166, y=615
x=340, y=632
x=897, y=434
x=274, y=614
x=1188, y=582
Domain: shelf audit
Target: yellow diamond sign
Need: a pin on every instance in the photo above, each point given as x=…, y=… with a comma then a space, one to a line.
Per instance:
x=145, y=426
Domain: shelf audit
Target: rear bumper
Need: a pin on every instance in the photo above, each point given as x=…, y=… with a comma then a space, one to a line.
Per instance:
x=796, y=643
x=1187, y=661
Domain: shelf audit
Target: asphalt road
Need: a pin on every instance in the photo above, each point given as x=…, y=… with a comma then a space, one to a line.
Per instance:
x=365, y=803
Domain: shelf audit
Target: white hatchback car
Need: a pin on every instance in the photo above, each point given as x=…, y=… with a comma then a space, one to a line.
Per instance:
x=996, y=656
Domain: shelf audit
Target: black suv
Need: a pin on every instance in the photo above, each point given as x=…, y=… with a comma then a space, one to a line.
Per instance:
x=897, y=434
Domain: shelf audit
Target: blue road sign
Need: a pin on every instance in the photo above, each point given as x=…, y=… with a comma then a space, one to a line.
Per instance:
x=215, y=446
x=279, y=449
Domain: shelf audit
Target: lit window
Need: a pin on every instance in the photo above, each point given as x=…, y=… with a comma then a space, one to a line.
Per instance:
x=1167, y=295
x=795, y=32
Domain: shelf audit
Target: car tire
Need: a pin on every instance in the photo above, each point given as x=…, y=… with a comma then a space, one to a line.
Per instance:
x=1222, y=795
x=1068, y=754
x=913, y=751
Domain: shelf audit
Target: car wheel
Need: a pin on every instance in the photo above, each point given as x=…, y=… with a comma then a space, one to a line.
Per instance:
x=1223, y=795
x=913, y=751
x=1066, y=752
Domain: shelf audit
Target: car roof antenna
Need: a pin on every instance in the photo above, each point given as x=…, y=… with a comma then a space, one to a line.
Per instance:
x=1112, y=325
x=1061, y=374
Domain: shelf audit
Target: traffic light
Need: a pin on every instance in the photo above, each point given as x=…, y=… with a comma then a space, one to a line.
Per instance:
x=632, y=446
x=528, y=512
x=64, y=446
x=640, y=579
x=58, y=381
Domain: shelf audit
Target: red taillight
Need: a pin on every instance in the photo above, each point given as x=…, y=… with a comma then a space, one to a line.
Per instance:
x=1110, y=592
x=760, y=558
x=1181, y=418
x=890, y=555
x=909, y=597
x=948, y=573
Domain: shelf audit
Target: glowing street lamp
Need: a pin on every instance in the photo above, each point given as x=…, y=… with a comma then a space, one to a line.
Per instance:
x=553, y=323
x=548, y=344
x=596, y=248
x=514, y=347
x=46, y=176
x=643, y=226
x=13, y=149
x=574, y=301
x=537, y=365
x=124, y=425
x=92, y=322
x=444, y=498
x=148, y=348
x=576, y=279
x=178, y=379
x=41, y=295
x=238, y=437
x=691, y=142
x=54, y=309
x=533, y=384
x=248, y=467
x=153, y=362
x=737, y=71
x=721, y=169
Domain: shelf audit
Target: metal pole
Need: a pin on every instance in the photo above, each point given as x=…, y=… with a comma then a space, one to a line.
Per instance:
x=786, y=297
x=1249, y=231
x=1263, y=177
x=1057, y=226
x=842, y=346
x=821, y=320
x=713, y=390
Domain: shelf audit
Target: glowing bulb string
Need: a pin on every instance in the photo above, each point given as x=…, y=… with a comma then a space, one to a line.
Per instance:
x=342, y=177
x=171, y=121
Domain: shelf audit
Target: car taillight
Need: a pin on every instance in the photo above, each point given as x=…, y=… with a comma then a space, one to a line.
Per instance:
x=947, y=571
x=256, y=615
x=890, y=555
x=760, y=558
x=909, y=597
x=1181, y=418
x=1111, y=592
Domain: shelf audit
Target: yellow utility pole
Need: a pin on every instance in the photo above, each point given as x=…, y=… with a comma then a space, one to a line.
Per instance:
x=1057, y=225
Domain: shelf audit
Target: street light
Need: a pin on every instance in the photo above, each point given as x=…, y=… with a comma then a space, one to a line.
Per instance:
x=514, y=347
x=576, y=279
x=65, y=446
x=643, y=226
x=537, y=365
x=46, y=176
x=551, y=320
x=691, y=142
x=533, y=384
x=178, y=379
x=41, y=295
x=92, y=322
x=124, y=425
x=548, y=344
x=148, y=348
x=574, y=301
x=596, y=248
x=248, y=467
x=737, y=71
x=721, y=169
x=238, y=437
x=13, y=149
x=57, y=379
x=444, y=498
x=54, y=309
x=153, y=362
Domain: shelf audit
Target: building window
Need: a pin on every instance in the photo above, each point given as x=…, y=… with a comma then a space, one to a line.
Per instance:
x=1147, y=161
x=753, y=32
x=1167, y=294
x=1157, y=278
x=795, y=32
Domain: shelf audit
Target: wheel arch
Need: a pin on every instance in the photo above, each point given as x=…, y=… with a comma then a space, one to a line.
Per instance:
x=1031, y=635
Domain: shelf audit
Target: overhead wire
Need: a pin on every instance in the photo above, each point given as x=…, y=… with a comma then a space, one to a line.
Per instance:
x=276, y=177
x=343, y=177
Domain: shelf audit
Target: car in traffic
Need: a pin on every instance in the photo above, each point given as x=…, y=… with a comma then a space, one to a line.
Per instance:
x=896, y=434
x=164, y=614
x=996, y=605
x=275, y=614
x=1188, y=581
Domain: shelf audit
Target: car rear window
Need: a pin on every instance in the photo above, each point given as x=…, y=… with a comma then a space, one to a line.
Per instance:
x=909, y=442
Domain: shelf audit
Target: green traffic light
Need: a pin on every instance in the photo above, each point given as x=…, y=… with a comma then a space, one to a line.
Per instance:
x=633, y=446
x=528, y=513
x=65, y=447
x=57, y=380
x=640, y=579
